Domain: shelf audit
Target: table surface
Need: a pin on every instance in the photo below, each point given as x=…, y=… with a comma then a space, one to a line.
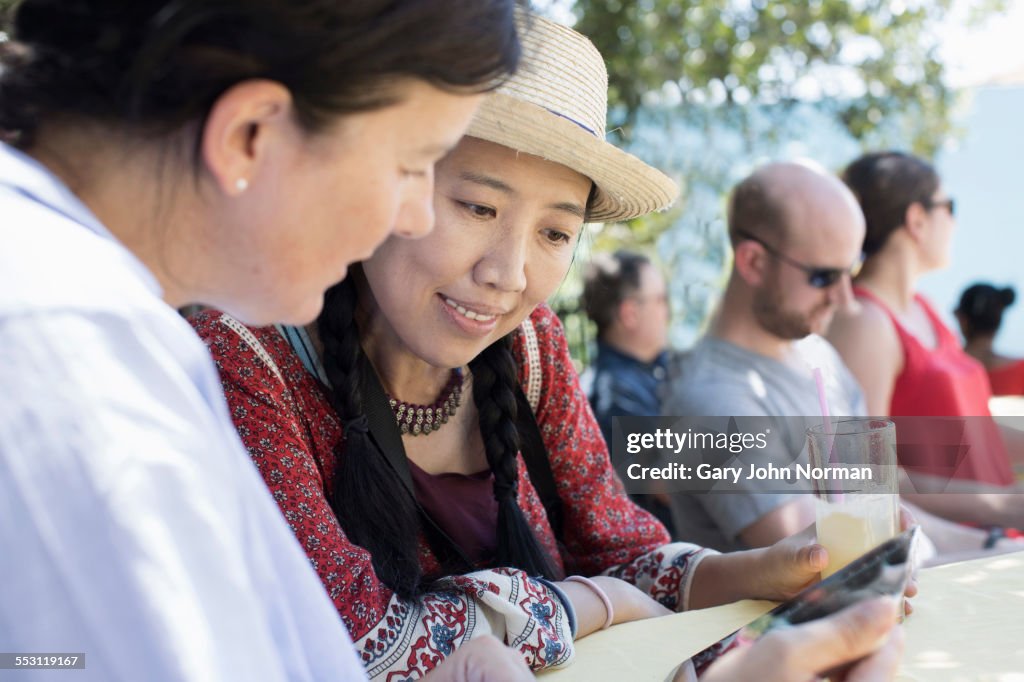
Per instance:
x=1004, y=406
x=967, y=625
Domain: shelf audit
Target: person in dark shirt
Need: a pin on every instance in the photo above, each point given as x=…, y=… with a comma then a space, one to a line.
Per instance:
x=624, y=293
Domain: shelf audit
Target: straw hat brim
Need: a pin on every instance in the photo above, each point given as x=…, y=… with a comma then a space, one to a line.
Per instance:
x=626, y=186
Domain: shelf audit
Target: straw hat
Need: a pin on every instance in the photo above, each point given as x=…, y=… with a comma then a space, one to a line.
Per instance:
x=555, y=108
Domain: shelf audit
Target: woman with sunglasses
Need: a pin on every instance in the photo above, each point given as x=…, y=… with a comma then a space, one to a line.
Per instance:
x=908, y=362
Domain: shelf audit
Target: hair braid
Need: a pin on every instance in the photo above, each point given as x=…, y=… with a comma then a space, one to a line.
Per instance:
x=369, y=500
x=494, y=381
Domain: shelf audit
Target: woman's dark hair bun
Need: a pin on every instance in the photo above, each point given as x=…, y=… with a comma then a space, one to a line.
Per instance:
x=981, y=307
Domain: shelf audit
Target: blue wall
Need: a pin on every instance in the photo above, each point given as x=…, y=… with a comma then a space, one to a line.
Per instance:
x=985, y=173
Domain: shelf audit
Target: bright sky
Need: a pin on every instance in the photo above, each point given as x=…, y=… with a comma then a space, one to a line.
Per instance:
x=979, y=54
x=974, y=55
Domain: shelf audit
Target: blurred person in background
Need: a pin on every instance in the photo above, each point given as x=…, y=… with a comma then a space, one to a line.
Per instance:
x=908, y=362
x=980, y=314
x=796, y=233
x=625, y=295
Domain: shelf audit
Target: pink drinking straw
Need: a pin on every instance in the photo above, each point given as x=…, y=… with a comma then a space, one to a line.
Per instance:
x=819, y=381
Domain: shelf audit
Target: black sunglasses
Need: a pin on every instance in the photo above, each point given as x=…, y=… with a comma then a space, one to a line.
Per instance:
x=947, y=203
x=819, y=278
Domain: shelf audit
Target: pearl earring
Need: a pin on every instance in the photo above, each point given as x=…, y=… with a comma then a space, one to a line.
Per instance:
x=241, y=184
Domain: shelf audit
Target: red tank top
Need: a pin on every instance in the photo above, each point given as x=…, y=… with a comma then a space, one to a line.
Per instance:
x=944, y=382
x=1008, y=379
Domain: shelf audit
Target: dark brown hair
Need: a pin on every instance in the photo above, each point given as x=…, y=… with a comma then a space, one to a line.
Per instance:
x=886, y=184
x=153, y=66
x=609, y=279
x=981, y=308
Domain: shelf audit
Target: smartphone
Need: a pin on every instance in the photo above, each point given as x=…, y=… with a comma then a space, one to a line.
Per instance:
x=884, y=571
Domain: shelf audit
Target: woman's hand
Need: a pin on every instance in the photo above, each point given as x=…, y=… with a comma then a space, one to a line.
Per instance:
x=792, y=564
x=786, y=568
x=865, y=631
x=628, y=604
x=482, y=659
x=776, y=573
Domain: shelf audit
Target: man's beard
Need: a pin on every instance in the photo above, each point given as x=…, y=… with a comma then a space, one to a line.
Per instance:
x=773, y=317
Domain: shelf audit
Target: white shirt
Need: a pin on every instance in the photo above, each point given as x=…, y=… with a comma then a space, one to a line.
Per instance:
x=134, y=528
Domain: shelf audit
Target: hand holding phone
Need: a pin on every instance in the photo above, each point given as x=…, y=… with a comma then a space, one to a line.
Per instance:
x=884, y=571
x=859, y=644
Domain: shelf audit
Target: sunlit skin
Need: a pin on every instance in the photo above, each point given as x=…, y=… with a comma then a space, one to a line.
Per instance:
x=792, y=309
x=328, y=200
x=941, y=224
x=310, y=204
x=507, y=227
x=822, y=237
x=824, y=228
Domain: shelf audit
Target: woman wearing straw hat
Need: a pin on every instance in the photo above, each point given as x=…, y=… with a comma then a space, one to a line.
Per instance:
x=428, y=440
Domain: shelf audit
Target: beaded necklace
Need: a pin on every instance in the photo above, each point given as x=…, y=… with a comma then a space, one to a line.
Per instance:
x=422, y=419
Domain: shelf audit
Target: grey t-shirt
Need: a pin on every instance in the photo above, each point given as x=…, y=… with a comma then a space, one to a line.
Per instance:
x=719, y=379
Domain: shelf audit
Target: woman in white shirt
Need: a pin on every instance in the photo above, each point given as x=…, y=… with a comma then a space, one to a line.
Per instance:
x=241, y=154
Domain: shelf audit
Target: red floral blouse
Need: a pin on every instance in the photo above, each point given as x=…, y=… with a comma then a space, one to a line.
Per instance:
x=284, y=417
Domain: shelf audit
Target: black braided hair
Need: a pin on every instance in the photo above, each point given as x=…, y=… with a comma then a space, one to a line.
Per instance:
x=369, y=499
x=494, y=382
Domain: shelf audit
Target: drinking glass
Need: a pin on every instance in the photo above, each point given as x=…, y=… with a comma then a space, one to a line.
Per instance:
x=853, y=466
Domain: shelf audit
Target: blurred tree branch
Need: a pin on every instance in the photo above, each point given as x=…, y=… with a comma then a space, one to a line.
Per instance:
x=863, y=61
x=6, y=11
x=708, y=89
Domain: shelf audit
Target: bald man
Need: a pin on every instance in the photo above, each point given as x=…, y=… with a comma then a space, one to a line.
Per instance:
x=796, y=234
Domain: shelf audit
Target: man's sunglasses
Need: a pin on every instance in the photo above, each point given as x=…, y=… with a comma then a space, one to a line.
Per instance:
x=947, y=203
x=817, y=277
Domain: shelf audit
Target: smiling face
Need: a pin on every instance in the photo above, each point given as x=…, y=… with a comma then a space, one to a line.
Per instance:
x=507, y=226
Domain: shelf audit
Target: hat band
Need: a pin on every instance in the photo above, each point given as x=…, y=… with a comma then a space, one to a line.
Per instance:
x=572, y=120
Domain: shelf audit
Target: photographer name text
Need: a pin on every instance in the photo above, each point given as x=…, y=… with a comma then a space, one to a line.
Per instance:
x=768, y=472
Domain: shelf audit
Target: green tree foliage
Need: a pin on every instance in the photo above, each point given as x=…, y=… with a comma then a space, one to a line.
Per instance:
x=864, y=61
x=6, y=8
x=707, y=89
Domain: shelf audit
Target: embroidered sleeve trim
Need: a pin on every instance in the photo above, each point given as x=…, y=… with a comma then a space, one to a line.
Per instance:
x=534, y=379
x=254, y=343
